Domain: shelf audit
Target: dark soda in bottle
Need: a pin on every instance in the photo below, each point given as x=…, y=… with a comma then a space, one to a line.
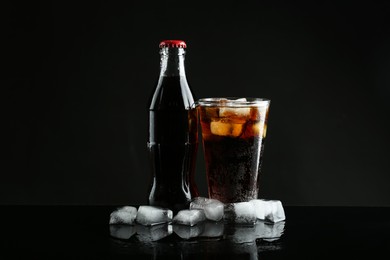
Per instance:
x=173, y=132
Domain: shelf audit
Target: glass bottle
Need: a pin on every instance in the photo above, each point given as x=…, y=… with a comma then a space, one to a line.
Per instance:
x=173, y=132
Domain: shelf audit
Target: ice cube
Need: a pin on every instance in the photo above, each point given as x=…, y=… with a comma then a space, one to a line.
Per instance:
x=213, y=209
x=261, y=207
x=122, y=231
x=265, y=130
x=234, y=109
x=259, y=129
x=124, y=215
x=187, y=232
x=189, y=217
x=235, y=112
x=226, y=128
x=150, y=215
x=269, y=210
x=153, y=233
x=240, y=213
x=277, y=212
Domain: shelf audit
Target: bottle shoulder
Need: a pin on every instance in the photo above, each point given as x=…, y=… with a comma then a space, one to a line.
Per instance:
x=172, y=93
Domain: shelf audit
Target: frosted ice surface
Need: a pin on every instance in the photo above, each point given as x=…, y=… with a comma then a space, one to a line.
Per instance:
x=189, y=217
x=122, y=231
x=277, y=212
x=213, y=209
x=269, y=210
x=261, y=207
x=150, y=215
x=240, y=213
x=124, y=215
x=188, y=232
x=153, y=233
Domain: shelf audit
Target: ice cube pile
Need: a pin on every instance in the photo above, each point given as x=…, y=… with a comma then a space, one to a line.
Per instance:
x=201, y=209
x=205, y=217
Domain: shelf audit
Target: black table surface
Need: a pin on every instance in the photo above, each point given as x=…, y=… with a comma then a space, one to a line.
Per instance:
x=83, y=232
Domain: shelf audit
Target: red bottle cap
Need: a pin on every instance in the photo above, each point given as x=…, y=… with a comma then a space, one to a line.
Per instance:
x=173, y=44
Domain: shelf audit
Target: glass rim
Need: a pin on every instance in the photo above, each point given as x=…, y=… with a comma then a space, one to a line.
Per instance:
x=233, y=101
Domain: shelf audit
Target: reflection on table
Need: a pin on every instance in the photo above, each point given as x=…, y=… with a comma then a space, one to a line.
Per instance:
x=205, y=238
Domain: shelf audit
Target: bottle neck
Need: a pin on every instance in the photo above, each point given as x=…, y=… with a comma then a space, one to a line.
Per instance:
x=172, y=62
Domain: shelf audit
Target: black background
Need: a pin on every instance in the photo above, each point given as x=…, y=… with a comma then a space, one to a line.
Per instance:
x=77, y=78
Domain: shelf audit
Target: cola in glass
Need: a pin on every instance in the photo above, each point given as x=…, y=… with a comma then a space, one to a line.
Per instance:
x=233, y=135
